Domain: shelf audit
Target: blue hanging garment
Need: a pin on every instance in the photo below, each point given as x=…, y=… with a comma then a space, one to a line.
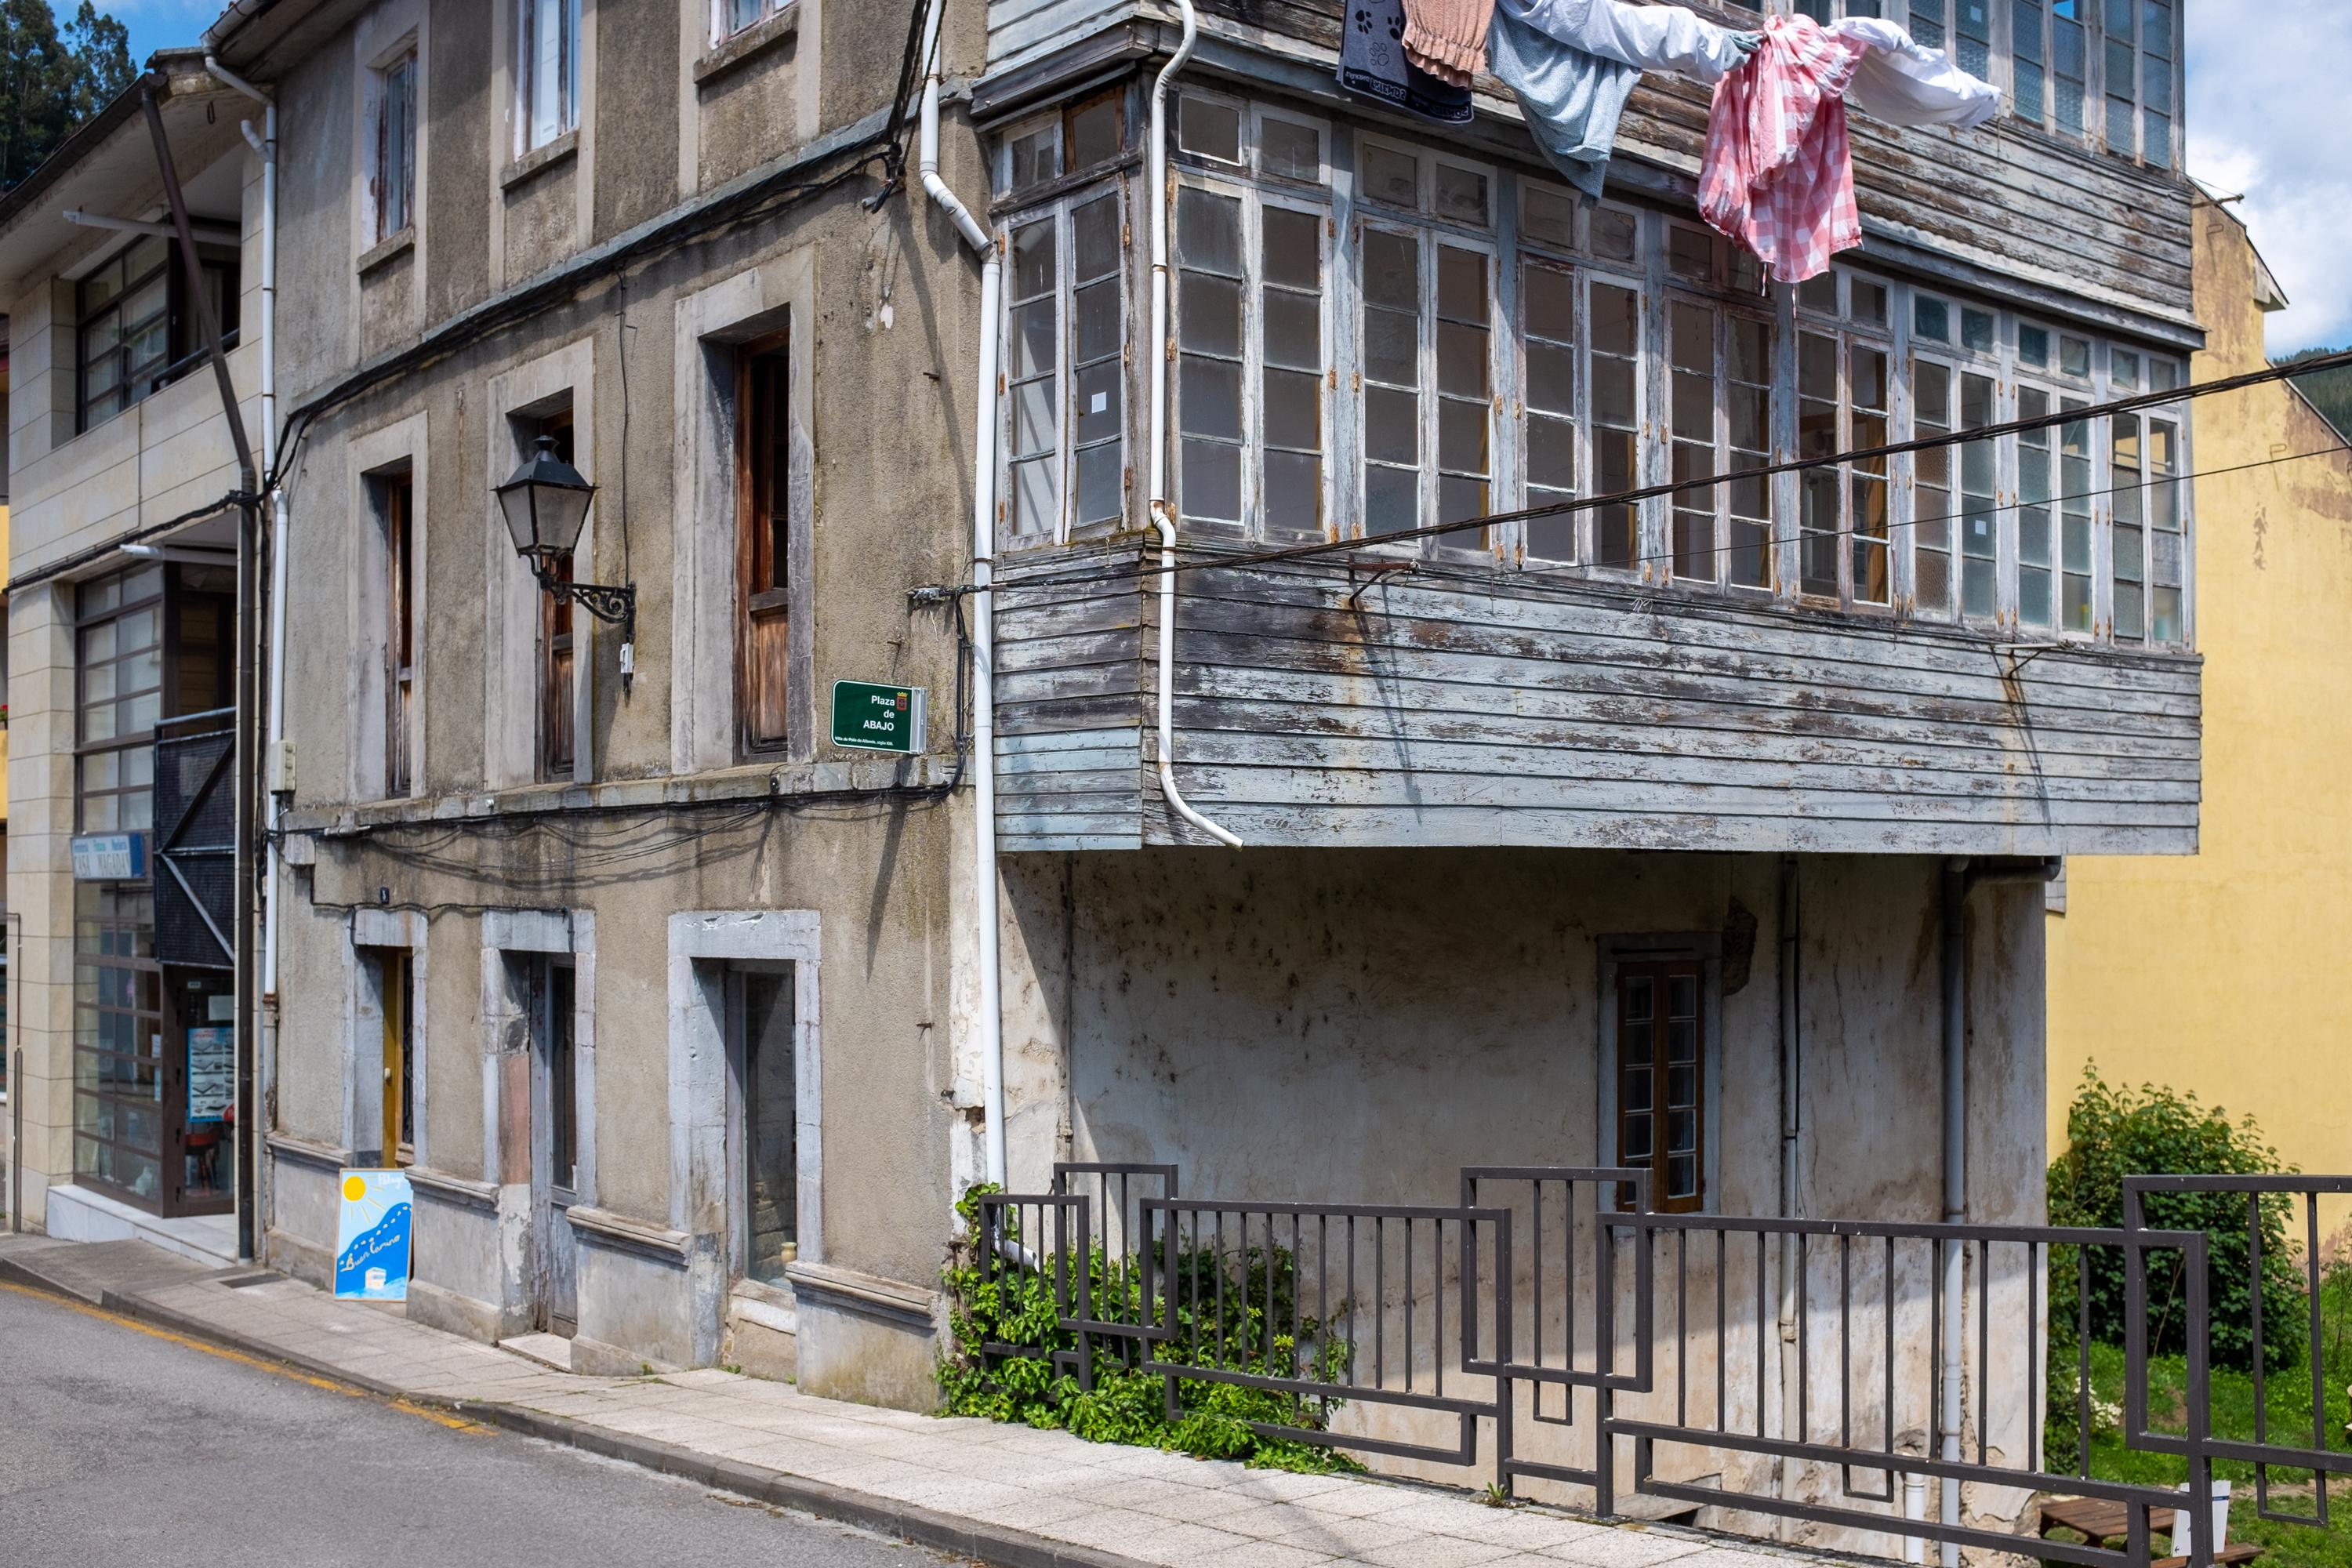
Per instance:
x=1372, y=62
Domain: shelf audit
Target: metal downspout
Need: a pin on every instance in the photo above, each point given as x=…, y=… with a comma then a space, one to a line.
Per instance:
x=248, y=527
x=986, y=897
x=1163, y=516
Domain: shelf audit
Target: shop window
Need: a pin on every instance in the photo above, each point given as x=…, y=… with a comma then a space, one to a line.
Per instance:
x=763, y=542
x=136, y=329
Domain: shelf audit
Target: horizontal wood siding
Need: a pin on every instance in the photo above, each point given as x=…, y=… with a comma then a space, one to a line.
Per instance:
x=2015, y=201
x=1069, y=716
x=1579, y=715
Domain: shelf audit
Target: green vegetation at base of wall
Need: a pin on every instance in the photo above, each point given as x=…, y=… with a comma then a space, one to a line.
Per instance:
x=1013, y=1361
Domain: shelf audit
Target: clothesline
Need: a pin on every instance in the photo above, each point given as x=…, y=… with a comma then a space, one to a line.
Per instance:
x=1778, y=175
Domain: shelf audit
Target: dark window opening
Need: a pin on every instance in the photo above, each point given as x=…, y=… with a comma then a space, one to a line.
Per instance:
x=763, y=543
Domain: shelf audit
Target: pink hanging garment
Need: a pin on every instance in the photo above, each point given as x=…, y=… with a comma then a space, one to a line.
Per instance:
x=1778, y=175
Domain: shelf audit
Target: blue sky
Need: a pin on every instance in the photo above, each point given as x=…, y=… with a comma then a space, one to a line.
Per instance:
x=2265, y=83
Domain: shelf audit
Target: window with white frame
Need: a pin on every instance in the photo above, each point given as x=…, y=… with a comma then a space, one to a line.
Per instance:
x=1472, y=341
x=2050, y=63
x=1253, y=330
x=1720, y=391
x=1065, y=376
x=547, y=70
x=1962, y=27
x=732, y=16
x=1426, y=272
x=2136, y=70
x=393, y=184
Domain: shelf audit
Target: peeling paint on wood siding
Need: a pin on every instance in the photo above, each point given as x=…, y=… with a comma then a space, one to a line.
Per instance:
x=1578, y=714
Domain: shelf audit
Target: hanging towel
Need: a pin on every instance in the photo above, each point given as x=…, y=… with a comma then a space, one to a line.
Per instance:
x=1447, y=38
x=1779, y=170
x=1905, y=82
x=1372, y=62
x=1573, y=63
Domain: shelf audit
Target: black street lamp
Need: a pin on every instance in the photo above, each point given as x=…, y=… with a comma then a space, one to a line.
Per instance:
x=546, y=504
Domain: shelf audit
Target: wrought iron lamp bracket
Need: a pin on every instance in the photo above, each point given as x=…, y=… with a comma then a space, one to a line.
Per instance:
x=615, y=606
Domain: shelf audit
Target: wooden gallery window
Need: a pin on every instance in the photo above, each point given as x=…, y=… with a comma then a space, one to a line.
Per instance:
x=1661, y=1058
x=763, y=542
x=399, y=500
x=557, y=740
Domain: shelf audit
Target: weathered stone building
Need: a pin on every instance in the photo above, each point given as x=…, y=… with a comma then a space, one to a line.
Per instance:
x=1640, y=835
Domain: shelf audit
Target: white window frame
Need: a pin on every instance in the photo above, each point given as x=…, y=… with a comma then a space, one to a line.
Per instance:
x=1060, y=211
x=530, y=56
x=720, y=29
x=1720, y=314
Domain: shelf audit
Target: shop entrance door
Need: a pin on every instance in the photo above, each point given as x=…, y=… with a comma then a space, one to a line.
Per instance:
x=555, y=1143
x=199, y=1154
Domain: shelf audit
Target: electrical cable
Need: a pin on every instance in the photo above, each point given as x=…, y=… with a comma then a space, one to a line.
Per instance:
x=1467, y=571
x=2137, y=403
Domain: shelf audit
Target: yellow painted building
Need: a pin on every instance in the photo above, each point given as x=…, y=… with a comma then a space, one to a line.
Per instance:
x=2224, y=973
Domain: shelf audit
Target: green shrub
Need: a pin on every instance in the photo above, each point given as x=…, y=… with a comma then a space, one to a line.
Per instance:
x=1015, y=1308
x=2114, y=1132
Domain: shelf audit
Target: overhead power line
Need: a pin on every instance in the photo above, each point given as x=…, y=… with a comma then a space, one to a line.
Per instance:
x=2137, y=403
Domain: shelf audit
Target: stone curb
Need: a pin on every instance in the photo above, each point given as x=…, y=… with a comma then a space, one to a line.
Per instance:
x=992, y=1544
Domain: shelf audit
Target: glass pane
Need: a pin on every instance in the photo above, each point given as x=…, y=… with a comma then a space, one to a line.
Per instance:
x=1461, y=195
x=1099, y=410
x=1095, y=320
x=1613, y=394
x=1294, y=330
x=1036, y=157
x=1032, y=260
x=1209, y=231
x=1033, y=418
x=1390, y=177
x=1293, y=251
x=1551, y=454
x=2033, y=345
x=1551, y=380
x=1392, y=347
x=1976, y=331
x=1094, y=132
x=1616, y=322
x=1547, y=215
x=1869, y=306
x=1211, y=394
x=1690, y=253
x=1293, y=410
x=1930, y=318
x=1461, y=360
x=1033, y=510
x=1616, y=235
x=1032, y=338
x=1213, y=481
x=1209, y=318
x=1291, y=149
x=1392, y=264
x=1392, y=500
x=1099, y=477
x=1210, y=129
x=1293, y=493
x=1391, y=422
x=1551, y=303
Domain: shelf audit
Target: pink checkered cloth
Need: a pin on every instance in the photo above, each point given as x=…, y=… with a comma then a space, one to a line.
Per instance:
x=1779, y=175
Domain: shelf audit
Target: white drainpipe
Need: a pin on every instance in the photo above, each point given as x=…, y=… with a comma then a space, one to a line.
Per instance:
x=983, y=603
x=1163, y=516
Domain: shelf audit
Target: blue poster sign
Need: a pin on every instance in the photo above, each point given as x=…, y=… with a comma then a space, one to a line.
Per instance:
x=372, y=1236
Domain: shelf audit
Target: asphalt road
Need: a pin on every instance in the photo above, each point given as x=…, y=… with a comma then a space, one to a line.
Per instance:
x=119, y=1444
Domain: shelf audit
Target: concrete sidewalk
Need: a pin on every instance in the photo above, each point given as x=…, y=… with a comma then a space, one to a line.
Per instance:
x=1005, y=1495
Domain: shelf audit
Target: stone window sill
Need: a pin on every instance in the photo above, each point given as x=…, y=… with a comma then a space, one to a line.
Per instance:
x=540, y=159
x=400, y=242
x=755, y=40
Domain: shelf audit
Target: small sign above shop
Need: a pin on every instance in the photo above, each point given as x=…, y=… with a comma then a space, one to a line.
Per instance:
x=110, y=858
x=871, y=718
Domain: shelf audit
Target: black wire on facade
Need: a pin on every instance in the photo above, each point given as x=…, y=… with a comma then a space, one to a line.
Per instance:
x=2137, y=403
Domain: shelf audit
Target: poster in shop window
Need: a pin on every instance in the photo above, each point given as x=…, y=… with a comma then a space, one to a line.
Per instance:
x=212, y=1071
x=372, y=1236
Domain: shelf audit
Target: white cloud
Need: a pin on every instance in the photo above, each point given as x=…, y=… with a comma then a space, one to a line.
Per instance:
x=2267, y=86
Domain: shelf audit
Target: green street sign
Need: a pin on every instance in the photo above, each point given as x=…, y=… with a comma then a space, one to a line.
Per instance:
x=871, y=718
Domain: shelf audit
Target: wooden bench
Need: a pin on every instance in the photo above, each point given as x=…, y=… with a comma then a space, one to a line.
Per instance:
x=2102, y=1519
